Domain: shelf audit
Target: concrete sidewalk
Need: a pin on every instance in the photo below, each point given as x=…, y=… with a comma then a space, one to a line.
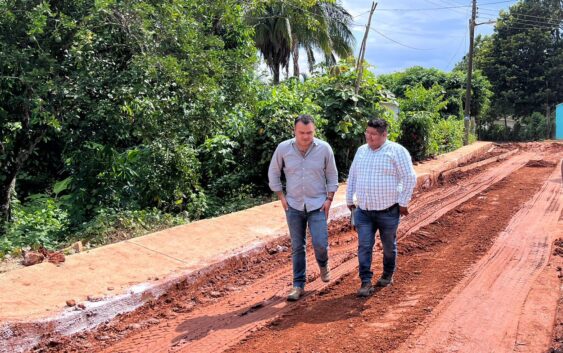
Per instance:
x=122, y=276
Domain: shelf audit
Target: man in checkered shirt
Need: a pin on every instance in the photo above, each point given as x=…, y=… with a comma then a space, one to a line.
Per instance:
x=382, y=178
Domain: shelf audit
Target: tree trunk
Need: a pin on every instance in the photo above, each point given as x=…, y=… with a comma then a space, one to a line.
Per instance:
x=276, y=71
x=23, y=147
x=505, y=129
x=5, y=193
x=295, y=59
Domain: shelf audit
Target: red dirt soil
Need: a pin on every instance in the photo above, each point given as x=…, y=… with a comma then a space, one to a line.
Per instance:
x=241, y=307
x=433, y=260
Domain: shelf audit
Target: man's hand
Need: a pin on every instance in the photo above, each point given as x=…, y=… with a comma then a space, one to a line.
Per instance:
x=326, y=207
x=283, y=201
x=284, y=204
x=352, y=208
x=404, y=211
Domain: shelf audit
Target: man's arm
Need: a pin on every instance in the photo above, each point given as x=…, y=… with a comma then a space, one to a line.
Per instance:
x=331, y=172
x=407, y=176
x=351, y=182
x=274, y=176
x=331, y=175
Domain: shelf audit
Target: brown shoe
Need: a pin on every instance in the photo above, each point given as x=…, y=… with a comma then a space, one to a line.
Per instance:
x=295, y=294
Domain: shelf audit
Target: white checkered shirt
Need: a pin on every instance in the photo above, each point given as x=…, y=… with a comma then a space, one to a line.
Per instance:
x=381, y=178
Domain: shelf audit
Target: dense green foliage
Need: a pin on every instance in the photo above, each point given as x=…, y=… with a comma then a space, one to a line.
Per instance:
x=113, y=100
x=431, y=103
x=523, y=60
x=122, y=117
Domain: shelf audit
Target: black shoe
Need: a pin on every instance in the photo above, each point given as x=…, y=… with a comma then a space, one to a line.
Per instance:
x=385, y=280
x=365, y=290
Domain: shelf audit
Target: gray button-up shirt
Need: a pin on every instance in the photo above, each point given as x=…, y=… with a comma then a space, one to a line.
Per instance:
x=308, y=178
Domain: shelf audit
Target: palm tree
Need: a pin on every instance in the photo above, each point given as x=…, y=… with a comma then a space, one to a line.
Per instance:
x=272, y=36
x=331, y=35
x=282, y=29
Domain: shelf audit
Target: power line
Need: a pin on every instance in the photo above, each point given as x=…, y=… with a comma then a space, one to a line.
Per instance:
x=457, y=11
x=393, y=40
x=459, y=47
x=425, y=9
x=544, y=23
x=420, y=33
x=523, y=20
x=452, y=2
x=530, y=17
x=527, y=28
x=498, y=2
x=530, y=23
x=445, y=7
x=515, y=14
x=361, y=14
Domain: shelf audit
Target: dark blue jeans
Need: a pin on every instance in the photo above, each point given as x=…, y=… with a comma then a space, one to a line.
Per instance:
x=367, y=223
x=297, y=222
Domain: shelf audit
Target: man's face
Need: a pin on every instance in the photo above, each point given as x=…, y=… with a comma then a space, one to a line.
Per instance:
x=304, y=133
x=374, y=139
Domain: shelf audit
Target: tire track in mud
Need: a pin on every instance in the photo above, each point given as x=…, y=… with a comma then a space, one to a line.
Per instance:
x=500, y=307
x=433, y=261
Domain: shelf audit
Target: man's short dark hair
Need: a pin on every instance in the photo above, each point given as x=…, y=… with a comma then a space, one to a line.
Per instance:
x=305, y=119
x=379, y=124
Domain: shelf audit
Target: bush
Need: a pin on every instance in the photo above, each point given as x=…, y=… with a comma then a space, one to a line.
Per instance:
x=40, y=222
x=162, y=174
x=233, y=200
x=446, y=135
x=416, y=129
x=531, y=128
x=217, y=155
x=111, y=225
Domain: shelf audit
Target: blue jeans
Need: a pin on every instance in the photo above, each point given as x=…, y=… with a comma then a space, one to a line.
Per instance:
x=367, y=223
x=297, y=223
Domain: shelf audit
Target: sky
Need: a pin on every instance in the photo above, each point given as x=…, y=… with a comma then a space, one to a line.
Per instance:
x=428, y=33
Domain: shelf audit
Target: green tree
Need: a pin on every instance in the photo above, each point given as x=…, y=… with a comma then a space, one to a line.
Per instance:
x=282, y=27
x=328, y=31
x=524, y=58
x=122, y=75
x=453, y=85
x=34, y=37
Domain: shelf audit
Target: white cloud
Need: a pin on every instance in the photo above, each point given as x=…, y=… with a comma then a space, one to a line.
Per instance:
x=443, y=32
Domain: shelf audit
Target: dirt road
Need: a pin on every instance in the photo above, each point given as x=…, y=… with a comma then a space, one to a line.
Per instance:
x=476, y=273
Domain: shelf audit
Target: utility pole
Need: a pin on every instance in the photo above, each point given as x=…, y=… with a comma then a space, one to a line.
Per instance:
x=362, y=53
x=467, y=117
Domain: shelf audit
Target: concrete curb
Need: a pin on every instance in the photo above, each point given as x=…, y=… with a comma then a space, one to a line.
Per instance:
x=472, y=166
x=429, y=178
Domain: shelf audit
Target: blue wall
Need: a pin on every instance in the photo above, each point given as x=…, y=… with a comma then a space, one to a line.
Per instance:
x=559, y=122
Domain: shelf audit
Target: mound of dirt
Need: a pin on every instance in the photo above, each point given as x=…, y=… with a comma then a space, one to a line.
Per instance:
x=538, y=163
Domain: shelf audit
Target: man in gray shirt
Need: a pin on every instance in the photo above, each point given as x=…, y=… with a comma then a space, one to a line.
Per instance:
x=311, y=181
